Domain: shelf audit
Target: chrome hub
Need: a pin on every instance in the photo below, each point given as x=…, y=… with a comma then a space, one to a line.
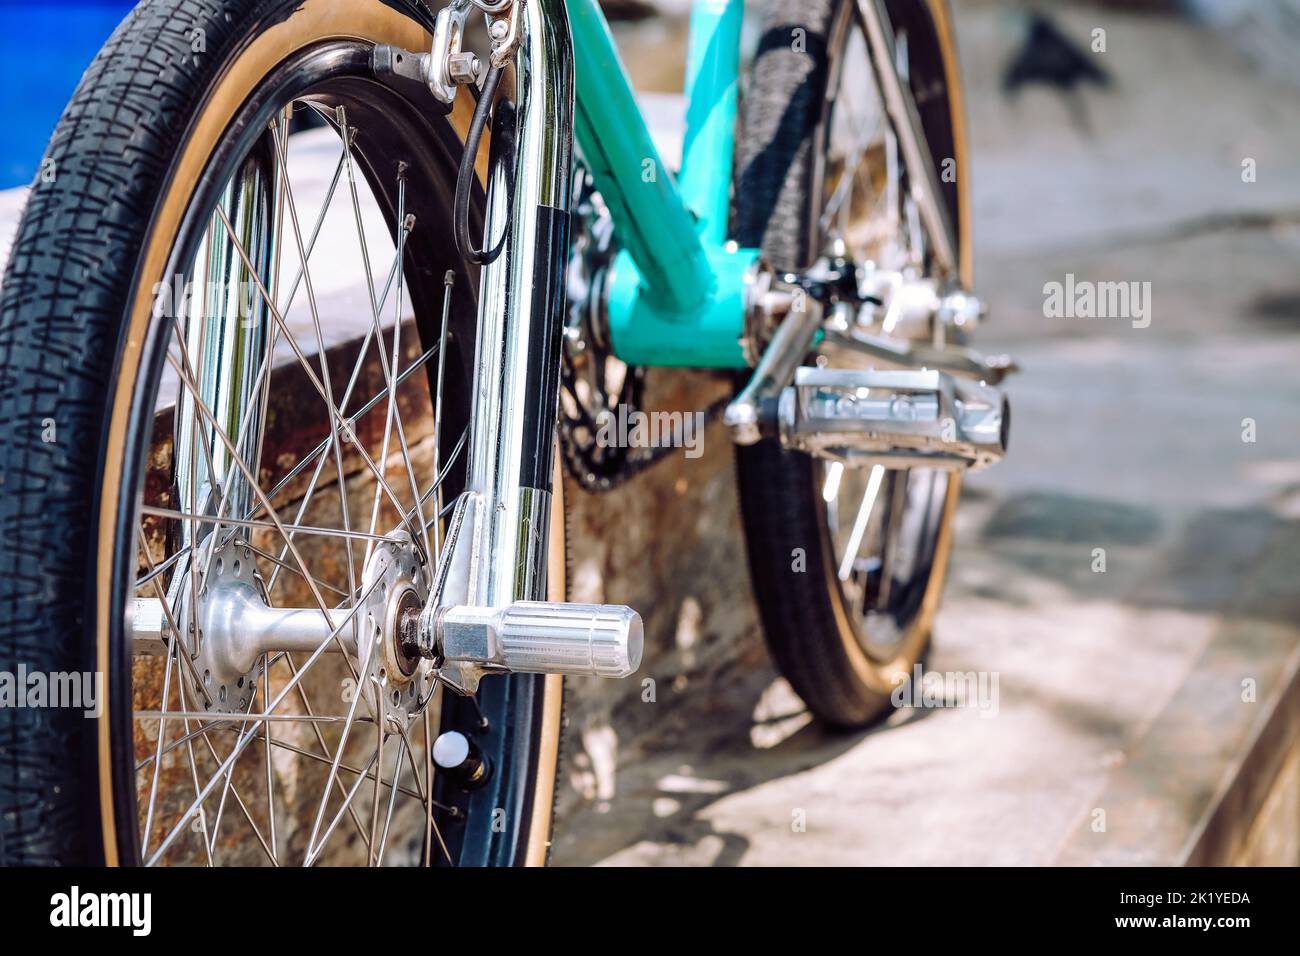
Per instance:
x=400, y=640
x=396, y=685
x=231, y=607
x=231, y=627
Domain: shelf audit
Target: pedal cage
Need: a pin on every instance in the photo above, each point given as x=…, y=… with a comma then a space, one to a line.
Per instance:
x=896, y=418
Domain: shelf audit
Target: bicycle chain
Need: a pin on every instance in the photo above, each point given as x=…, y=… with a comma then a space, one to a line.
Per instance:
x=594, y=467
x=577, y=459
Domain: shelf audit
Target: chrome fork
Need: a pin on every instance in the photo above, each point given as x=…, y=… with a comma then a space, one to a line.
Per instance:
x=511, y=442
x=486, y=611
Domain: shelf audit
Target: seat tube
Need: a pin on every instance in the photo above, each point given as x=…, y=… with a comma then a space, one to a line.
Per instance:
x=521, y=312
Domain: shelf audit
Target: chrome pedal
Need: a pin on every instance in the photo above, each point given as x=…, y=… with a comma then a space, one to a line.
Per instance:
x=896, y=418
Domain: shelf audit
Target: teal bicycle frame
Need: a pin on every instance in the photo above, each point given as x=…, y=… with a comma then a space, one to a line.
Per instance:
x=676, y=292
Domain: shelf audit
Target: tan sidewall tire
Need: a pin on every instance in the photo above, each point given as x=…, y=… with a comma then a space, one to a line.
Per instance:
x=312, y=21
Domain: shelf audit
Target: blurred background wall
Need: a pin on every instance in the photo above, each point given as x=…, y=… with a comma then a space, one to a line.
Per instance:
x=45, y=47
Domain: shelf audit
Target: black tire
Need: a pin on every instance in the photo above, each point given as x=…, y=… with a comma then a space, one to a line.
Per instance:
x=808, y=627
x=71, y=293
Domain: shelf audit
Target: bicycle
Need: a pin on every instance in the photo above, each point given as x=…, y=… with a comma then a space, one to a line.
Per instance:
x=374, y=674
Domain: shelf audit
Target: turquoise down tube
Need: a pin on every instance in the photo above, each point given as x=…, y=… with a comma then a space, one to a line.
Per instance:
x=677, y=289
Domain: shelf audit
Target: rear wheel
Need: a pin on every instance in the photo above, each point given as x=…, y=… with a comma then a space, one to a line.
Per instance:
x=847, y=564
x=229, y=304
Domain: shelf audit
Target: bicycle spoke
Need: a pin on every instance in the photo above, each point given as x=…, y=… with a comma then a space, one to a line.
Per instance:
x=231, y=789
x=322, y=353
x=314, y=850
x=290, y=568
x=198, y=794
x=271, y=525
x=331, y=440
x=847, y=178
x=161, y=568
x=248, y=735
x=354, y=417
x=184, y=715
x=337, y=418
x=393, y=416
x=374, y=798
x=357, y=366
x=237, y=718
x=338, y=754
x=320, y=739
x=392, y=800
x=865, y=508
x=175, y=647
x=347, y=768
x=375, y=309
x=162, y=733
x=448, y=283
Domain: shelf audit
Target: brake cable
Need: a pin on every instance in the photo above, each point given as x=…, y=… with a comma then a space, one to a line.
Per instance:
x=465, y=177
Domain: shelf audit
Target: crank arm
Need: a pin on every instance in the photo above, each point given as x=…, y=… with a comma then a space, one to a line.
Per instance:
x=954, y=359
x=754, y=409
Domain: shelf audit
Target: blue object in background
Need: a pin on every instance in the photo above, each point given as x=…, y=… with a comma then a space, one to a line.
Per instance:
x=45, y=47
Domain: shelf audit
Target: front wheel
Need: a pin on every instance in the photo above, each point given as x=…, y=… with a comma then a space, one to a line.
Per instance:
x=237, y=359
x=847, y=564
